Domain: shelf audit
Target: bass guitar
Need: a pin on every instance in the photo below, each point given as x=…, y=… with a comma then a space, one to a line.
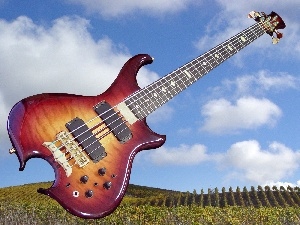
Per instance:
x=91, y=141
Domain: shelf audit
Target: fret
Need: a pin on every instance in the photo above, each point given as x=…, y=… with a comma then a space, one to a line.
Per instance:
x=150, y=100
x=221, y=52
x=251, y=34
x=183, y=78
x=158, y=93
x=256, y=31
x=211, y=60
x=208, y=63
x=190, y=74
x=155, y=94
x=196, y=69
x=225, y=53
x=173, y=87
x=176, y=77
x=162, y=90
x=201, y=64
x=141, y=108
x=237, y=43
x=133, y=105
x=152, y=104
x=218, y=58
x=182, y=74
x=230, y=48
x=175, y=81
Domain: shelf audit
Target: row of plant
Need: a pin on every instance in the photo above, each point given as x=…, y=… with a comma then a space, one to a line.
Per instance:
x=143, y=205
x=267, y=197
x=154, y=215
x=139, y=195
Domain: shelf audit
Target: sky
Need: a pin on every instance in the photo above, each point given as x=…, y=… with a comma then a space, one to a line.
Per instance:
x=237, y=126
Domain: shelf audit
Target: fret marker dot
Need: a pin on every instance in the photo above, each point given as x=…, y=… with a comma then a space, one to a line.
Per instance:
x=229, y=47
x=243, y=38
x=204, y=63
x=217, y=56
x=173, y=83
x=188, y=74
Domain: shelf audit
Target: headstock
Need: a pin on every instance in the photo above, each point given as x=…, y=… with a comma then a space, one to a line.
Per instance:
x=270, y=23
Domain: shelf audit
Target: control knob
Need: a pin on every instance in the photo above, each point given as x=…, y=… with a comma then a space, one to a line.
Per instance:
x=102, y=171
x=84, y=179
x=89, y=193
x=107, y=185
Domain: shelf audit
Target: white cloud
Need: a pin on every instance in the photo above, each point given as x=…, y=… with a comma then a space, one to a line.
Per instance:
x=258, y=83
x=233, y=18
x=254, y=164
x=236, y=7
x=278, y=184
x=265, y=81
x=246, y=161
x=182, y=155
x=3, y=117
x=163, y=113
x=121, y=8
x=247, y=113
x=61, y=58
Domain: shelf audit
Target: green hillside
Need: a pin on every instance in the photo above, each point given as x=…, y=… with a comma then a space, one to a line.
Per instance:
x=145, y=205
x=141, y=195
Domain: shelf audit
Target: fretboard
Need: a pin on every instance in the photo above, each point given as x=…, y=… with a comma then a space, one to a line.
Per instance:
x=148, y=99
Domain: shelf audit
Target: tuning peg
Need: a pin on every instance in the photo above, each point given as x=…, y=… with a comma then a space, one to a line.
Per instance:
x=253, y=14
x=278, y=34
x=275, y=40
x=12, y=151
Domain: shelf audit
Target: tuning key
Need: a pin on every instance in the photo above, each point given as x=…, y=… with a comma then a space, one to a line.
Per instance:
x=12, y=151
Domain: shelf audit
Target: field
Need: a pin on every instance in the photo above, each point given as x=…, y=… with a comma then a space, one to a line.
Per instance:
x=144, y=205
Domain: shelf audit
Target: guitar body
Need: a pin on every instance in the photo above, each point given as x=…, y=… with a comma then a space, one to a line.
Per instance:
x=85, y=193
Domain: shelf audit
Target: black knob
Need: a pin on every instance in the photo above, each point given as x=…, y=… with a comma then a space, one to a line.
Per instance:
x=102, y=171
x=84, y=179
x=89, y=193
x=107, y=185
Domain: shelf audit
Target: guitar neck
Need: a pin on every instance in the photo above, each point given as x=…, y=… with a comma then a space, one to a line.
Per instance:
x=148, y=99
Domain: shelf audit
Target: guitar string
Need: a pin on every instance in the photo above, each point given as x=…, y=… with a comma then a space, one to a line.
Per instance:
x=249, y=30
x=166, y=77
x=146, y=94
x=213, y=59
x=224, y=58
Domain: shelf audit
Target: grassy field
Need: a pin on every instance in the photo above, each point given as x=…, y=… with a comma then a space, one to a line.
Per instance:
x=143, y=205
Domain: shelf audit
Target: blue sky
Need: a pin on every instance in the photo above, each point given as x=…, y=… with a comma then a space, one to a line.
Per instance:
x=237, y=126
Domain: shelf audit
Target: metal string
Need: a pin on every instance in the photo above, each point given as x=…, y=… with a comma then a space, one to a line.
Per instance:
x=258, y=28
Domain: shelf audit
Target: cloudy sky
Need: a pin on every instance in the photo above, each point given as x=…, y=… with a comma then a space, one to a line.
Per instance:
x=237, y=126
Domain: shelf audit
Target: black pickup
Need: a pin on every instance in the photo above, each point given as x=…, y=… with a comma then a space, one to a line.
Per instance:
x=113, y=121
x=86, y=139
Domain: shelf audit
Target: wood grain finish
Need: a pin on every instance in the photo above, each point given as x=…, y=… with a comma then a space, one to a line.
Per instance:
x=37, y=119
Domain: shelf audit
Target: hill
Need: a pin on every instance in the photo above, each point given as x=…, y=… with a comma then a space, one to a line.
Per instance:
x=141, y=195
x=145, y=205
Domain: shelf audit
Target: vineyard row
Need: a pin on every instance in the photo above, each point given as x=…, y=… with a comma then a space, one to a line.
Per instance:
x=267, y=197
